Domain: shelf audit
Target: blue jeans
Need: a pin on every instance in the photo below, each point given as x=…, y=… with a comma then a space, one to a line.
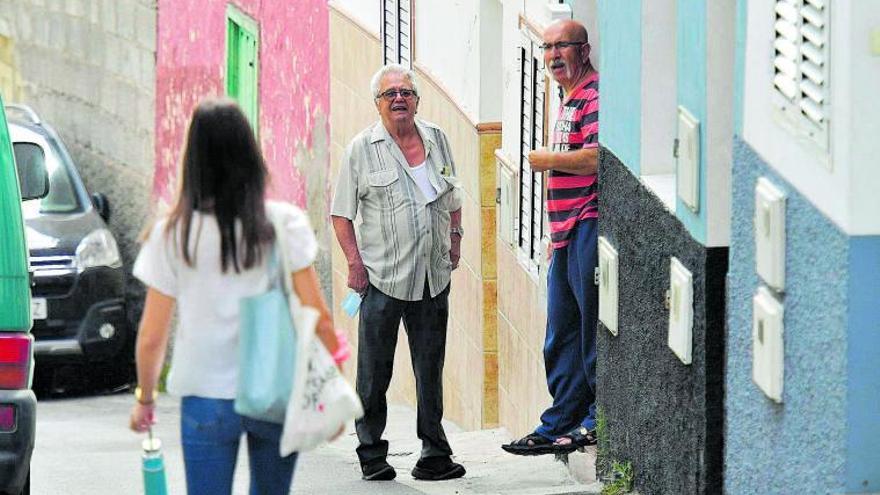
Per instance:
x=570, y=344
x=211, y=431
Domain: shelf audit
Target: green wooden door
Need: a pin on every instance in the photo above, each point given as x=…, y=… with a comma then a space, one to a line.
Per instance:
x=242, y=60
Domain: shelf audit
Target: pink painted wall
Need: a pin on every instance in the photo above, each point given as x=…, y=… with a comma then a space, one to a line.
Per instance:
x=294, y=86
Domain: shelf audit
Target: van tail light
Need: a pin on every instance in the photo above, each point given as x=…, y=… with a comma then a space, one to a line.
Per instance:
x=15, y=359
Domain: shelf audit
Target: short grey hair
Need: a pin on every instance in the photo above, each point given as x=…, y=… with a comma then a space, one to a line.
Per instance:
x=392, y=69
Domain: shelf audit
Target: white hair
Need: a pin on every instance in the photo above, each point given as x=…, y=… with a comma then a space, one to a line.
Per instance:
x=392, y=69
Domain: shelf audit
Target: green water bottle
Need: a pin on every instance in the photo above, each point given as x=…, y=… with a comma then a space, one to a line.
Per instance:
x=153, y=466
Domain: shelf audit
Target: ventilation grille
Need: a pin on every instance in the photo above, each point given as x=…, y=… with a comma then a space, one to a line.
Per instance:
x=801, y=58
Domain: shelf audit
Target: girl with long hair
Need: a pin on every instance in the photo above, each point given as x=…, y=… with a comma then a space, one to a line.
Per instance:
x=207, y=254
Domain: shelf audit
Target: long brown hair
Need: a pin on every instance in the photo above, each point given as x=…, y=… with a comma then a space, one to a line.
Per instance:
x=223, y=173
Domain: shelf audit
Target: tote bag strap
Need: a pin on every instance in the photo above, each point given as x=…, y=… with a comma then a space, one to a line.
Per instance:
x=275, y=270
x=282, y=252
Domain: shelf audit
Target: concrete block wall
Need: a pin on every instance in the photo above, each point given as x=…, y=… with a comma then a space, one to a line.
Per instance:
x=88, y=68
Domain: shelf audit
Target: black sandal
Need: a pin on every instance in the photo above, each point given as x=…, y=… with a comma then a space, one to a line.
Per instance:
x=580, y=437
x=531, y=444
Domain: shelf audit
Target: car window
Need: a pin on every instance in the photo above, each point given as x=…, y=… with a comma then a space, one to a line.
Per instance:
x=62, y=196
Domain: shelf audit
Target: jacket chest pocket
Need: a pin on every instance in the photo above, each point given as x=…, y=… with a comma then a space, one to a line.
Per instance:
x=384, y=186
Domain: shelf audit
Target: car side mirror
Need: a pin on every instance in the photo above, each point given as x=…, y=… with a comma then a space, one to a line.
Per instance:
x=102, y=205
x=33, y=179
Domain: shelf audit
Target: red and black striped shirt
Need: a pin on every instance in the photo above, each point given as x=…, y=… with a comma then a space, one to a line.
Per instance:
x=572, y=198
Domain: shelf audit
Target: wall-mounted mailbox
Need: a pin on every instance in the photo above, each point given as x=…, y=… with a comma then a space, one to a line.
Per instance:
x=687, y=155
x=608, y=285
x=770, y=233
x=768, y=351
x=681, y=310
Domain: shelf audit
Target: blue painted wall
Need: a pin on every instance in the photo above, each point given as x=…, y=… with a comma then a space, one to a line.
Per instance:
x=691, y=61
x=863, y=371
x=620, y=22
x=799, y=446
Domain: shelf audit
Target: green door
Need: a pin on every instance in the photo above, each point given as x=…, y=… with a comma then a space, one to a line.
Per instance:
x=242, y=60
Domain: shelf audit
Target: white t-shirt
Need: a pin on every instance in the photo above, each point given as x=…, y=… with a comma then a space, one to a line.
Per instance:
x=420, y=174
x=205, y=357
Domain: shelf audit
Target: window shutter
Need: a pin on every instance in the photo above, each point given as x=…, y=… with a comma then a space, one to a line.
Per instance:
x=397, y=31
x=801, y=57
x=405, y=32
x=525, y=170
x=537, y=142
x=532, y=224
x=389, y=30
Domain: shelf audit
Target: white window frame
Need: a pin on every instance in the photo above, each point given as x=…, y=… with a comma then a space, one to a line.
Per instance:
x=532, y=228
x=800, y=64
x=397, y=31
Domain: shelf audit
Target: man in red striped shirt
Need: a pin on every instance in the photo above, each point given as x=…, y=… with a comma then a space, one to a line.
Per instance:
x=572, y=206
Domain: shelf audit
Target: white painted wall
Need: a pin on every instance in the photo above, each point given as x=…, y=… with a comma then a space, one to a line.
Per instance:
x=459, y=42
x=491, y=24
x=587, y=12
x=862, y=114
x=448, y=47
x=365, y=12
x=511, y=10
x=841, y=179
x=720, y=56
x=658, y=127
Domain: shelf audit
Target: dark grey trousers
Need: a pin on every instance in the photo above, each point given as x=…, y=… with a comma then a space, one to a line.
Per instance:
x=425, y=324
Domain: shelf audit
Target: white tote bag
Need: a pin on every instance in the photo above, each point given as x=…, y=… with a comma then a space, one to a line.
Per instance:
x=321, y=401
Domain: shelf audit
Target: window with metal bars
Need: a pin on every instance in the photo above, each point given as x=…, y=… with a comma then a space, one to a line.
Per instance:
x=531, y=225
x=800, y=61
x=397, y=31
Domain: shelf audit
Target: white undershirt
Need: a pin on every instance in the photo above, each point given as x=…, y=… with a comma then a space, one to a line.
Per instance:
x=420, y=174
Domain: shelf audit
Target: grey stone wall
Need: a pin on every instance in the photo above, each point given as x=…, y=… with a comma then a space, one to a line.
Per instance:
x=663, y=416
x=88, y=68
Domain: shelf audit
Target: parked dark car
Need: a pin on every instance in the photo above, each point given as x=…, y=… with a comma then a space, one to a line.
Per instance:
x=78, y=292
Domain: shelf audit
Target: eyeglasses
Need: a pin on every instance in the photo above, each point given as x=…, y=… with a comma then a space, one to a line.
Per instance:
x=391, y=94
x=559, y=45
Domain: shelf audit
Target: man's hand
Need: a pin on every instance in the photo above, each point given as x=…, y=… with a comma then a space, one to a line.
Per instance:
x=455, y=250
x=357, y=277
x=541, y=159
x=584, y=161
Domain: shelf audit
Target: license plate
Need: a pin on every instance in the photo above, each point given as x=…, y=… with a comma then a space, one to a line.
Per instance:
x=39, y=309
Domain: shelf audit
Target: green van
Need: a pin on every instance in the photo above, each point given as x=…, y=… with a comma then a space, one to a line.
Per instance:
x=18, y=404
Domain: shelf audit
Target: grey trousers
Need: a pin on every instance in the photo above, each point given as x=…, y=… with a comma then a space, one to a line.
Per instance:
x=425, y=324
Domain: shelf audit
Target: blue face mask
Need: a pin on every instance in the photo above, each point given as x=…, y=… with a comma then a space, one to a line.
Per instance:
x=351, y=303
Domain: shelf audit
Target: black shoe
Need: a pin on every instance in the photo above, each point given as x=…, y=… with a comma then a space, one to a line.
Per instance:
x=437, y=468
x=378, y=470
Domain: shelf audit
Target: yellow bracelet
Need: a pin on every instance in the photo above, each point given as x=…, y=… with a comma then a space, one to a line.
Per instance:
x=139, y=396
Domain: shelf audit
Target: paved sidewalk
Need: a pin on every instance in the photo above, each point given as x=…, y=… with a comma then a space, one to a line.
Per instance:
x=84, y=448
x=489, y=469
